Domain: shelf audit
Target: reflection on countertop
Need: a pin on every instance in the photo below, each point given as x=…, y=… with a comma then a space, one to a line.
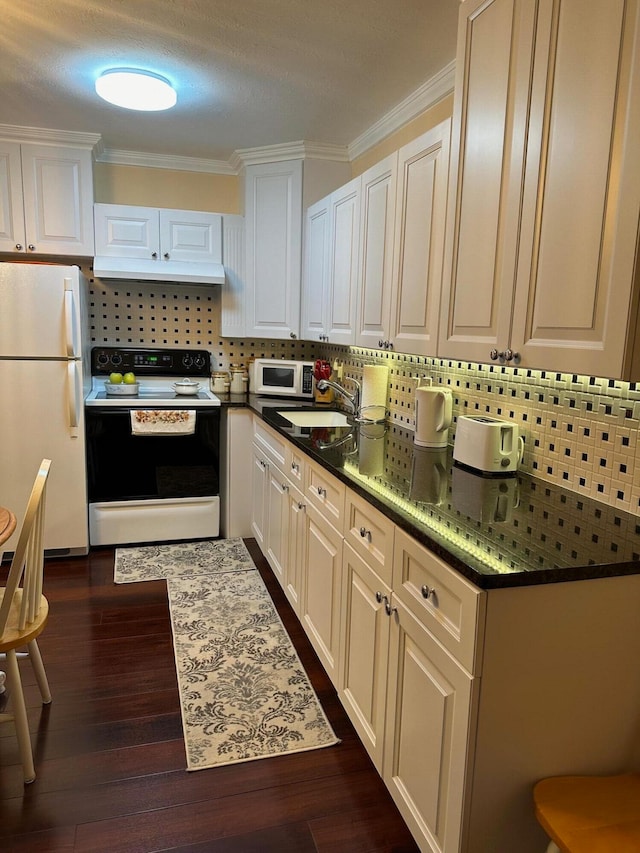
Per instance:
x=498, y=531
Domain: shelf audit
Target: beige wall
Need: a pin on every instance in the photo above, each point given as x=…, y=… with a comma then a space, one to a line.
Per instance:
x=150, y=187
x=430, y=118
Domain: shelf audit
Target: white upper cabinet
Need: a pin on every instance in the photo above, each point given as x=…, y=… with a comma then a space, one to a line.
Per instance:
x=125, y=231
x=331, y=264
x=46, y=199
x=344, y=245
x=404, y=200
x=377, y=214
x=418, y=255
x=273, y=220
x=543, y=214
x=315, y=276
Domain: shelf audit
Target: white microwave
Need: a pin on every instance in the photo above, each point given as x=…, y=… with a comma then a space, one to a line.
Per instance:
x=281, y=378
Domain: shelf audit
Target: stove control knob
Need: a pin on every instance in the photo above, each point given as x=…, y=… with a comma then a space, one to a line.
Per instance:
x=116, y=359
x=199, y=361
x=187, y=361
x=103, y=359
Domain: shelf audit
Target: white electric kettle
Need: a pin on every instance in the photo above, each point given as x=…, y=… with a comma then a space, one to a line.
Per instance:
x=433, y=406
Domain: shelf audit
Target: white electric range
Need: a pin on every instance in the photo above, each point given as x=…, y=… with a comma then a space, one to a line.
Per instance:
x=152, y=487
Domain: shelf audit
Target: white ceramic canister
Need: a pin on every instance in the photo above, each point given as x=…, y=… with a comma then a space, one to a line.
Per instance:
x=220, y=382
x=239, y=380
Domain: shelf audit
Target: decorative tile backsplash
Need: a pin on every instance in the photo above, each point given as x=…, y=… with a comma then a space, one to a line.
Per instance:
x=580, y=432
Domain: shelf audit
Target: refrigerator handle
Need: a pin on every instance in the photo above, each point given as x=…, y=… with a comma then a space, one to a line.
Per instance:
x=74, y=396
x=70, y=320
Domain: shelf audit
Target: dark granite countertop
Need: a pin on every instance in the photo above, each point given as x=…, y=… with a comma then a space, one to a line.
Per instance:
x=497, y=531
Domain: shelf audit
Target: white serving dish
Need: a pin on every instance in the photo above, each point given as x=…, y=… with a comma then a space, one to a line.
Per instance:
x=187, y=387
x=122, y=389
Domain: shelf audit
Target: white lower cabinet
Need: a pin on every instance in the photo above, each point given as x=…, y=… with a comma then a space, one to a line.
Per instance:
x=277, y=522
x=293, y=566
x=364, y=644
x=321, y=589
x=427, y=724
x=260, y=469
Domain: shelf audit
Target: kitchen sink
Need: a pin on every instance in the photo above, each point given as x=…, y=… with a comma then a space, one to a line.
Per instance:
x=315, y=418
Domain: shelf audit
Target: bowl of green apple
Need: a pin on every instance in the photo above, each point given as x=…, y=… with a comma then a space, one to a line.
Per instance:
x=122, y=385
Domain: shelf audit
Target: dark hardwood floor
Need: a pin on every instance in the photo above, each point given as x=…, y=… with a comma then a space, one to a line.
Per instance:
x=109, y=752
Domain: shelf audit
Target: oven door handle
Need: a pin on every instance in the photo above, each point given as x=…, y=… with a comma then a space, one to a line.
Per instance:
x=74, y=396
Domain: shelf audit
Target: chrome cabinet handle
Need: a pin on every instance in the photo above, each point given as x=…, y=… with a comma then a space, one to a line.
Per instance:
x=322, y=492
x=31, y=247
x=154, y=254
x=366, y=534
x=19, y=247
x=387, y=604
x=166, y=255
x=292, y=335
x=428, y=592
x=302, y=506
x=285, y=488
x=506, y=355
x=295, y=466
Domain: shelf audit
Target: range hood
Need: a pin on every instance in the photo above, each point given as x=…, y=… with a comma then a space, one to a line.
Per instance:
x=137, y=269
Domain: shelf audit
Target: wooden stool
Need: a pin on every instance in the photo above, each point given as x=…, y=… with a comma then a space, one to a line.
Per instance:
x=590, y=814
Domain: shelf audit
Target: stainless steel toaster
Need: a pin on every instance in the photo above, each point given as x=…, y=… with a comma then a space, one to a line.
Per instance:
x=487, y=444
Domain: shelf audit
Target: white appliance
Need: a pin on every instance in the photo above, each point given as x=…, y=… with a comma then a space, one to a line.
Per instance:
x=44, y=376
x=275, y=377
x=433, y=409
x=488, y=444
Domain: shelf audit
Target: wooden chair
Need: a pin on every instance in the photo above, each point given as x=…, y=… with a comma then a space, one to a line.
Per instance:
x=590, y=814
x=23, y=615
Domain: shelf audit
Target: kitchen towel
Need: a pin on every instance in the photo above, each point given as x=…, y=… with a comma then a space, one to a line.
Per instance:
x=163, y=421
x=375, y=379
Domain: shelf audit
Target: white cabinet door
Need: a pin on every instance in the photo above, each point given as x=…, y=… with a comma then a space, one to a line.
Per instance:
x=320, y=601
x=127, y=231
x=377, y=221
x=315, y=284
x=259, y=492
x=277, y=522
x=46, y=200
x=190, y=235
x=543, y=213
x=344, y=268
x=427, y=731
x=12, y=233
x=421, y=203
x=293, y=567
x=273, y=218
x=364, y=643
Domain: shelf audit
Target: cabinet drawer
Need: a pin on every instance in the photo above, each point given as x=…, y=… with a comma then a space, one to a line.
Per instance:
x=273, y=445
x=295, y=465
x=450, y=607
x=326, y=493
x=370, y=534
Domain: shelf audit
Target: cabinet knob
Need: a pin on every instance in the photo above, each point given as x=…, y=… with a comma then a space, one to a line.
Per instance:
x=494, y=355
x=31, y=247
x=285, y=488
x=322, y=492
x=166, y=256
x=380, y=597
x=292, y=335
x=389, y=609
x=19, y=247
x=154, y=254
x=366, y=534
x=381, y=343
x=302, y=506
x=427, y=591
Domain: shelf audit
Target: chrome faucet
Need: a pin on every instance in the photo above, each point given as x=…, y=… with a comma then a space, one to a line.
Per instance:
x=352, y=399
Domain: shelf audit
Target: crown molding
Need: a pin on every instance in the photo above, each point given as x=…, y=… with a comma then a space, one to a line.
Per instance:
x=289, y=151
x=425, y=97
x=48, y=136
x=164, y=161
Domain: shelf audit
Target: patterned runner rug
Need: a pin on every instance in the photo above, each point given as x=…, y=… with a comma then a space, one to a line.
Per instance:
x=243, y=691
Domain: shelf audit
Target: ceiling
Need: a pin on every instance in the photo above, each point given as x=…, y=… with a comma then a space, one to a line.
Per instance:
x=249, y=73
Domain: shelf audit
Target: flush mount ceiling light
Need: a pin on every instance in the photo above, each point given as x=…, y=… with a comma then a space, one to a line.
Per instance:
x=136, y=90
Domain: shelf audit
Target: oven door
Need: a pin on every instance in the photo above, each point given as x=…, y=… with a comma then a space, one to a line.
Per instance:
x=150, y=488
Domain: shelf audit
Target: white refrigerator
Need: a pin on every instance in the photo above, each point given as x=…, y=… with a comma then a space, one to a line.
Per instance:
x=44, y=378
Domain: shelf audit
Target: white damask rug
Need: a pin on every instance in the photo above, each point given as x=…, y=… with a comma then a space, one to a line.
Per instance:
x=159, y=562
x=243, y=691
